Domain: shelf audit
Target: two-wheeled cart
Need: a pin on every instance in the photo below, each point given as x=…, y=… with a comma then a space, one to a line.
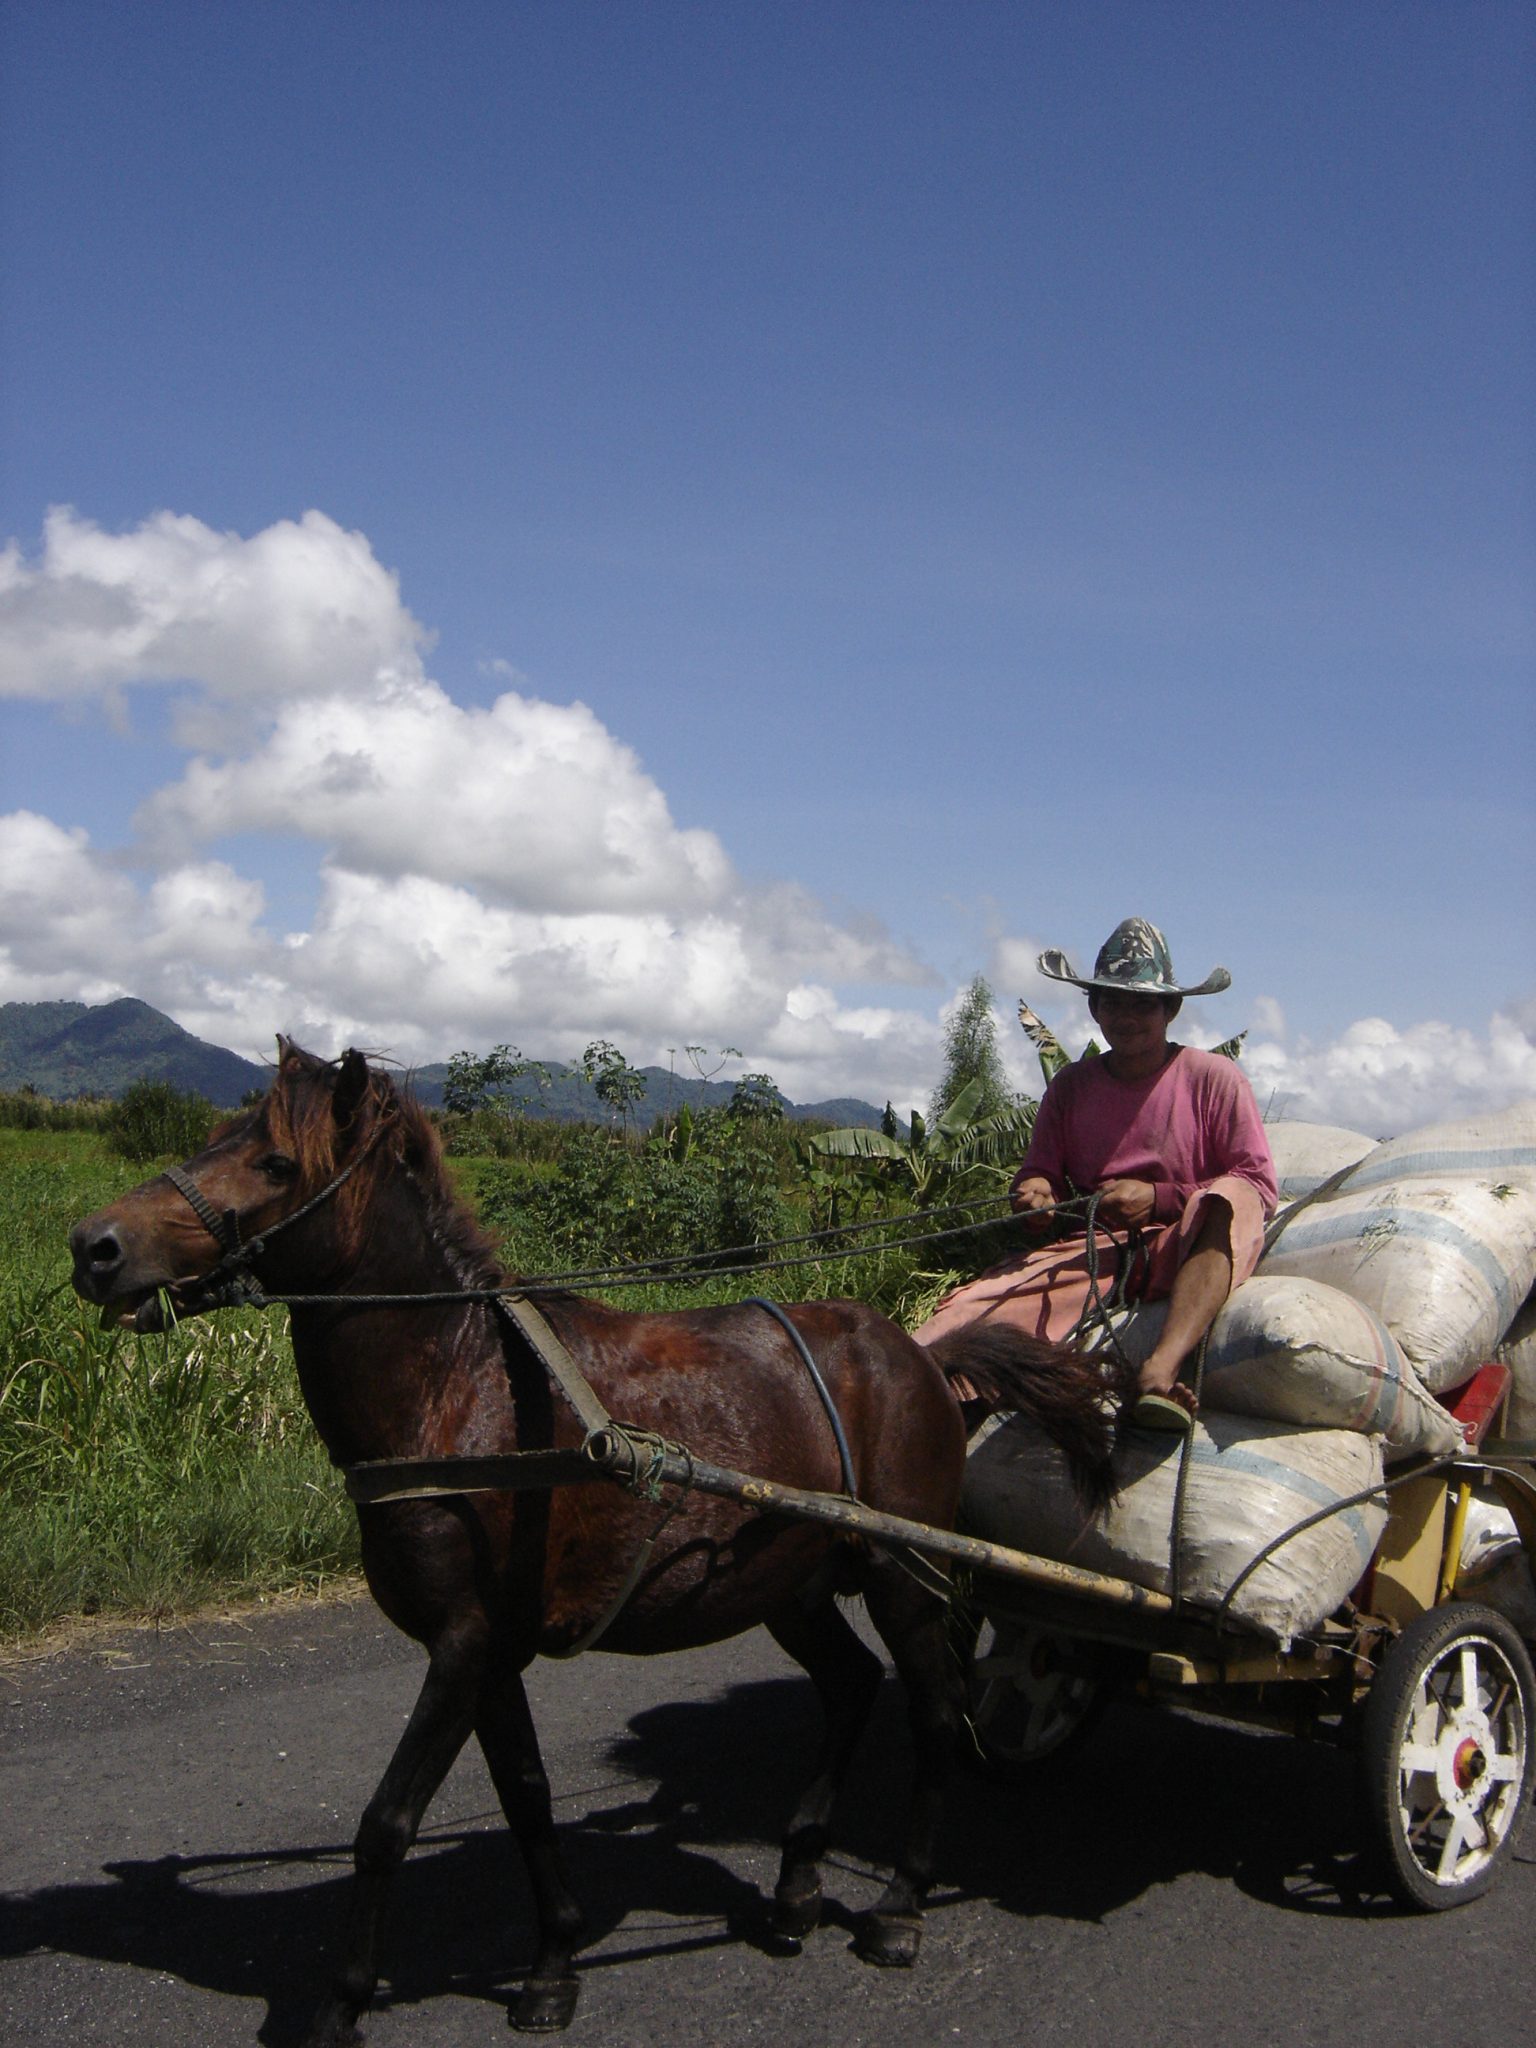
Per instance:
x=1434, y=1690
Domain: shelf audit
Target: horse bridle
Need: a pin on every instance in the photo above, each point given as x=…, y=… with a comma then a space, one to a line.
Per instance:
x=230, y=1281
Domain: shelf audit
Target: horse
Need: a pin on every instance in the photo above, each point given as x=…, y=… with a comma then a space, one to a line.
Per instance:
x=333, y=1189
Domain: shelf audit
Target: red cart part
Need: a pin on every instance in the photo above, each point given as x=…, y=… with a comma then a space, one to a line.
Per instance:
x=1476, y=1402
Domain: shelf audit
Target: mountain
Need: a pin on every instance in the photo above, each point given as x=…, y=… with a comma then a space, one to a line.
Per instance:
x=65, y=1049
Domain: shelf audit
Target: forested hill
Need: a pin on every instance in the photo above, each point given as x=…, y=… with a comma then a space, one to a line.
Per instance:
x=65, y=1049
x=69, y=1049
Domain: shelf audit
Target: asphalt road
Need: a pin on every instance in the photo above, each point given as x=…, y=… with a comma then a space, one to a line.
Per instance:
x=177, y=1808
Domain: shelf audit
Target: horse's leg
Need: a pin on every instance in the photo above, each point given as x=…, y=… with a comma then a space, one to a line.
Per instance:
x=912, y=1621
x=504, y=1726
x=846, y=1675
x=437, y=1730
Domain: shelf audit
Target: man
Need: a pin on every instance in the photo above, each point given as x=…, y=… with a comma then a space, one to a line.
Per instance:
x=1170, y=1140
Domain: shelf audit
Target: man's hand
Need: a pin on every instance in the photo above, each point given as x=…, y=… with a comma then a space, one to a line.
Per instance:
x=1127, y=1202
x=1029, y=1196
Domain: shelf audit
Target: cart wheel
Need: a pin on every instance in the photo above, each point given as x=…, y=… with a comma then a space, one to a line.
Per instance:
x=1446, y=1753
x=1028, y=1702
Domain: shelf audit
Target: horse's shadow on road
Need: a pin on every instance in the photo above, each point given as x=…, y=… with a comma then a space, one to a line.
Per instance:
x=1151, y=1797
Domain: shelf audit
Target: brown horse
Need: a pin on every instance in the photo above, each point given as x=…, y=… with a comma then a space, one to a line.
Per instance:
x=488, y=1581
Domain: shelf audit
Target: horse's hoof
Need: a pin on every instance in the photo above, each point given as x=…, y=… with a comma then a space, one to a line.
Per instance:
x=795, y=1915
x=544, y=2005
x=889, y=1940
x=333, y=2026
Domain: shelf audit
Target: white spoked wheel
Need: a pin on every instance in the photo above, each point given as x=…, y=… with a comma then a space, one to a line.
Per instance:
x=1447, y=1753
x=1027, y=1701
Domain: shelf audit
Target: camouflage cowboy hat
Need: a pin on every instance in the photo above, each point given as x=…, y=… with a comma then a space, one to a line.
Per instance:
x=1134, y=957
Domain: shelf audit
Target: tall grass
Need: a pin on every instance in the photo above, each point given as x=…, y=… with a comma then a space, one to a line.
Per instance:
x=25, y=1109
x=141, y=1475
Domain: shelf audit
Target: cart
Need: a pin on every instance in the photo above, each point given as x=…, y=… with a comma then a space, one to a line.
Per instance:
x=1434, y=1691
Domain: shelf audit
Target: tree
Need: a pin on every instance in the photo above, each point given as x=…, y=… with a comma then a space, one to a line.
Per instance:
x=698, y=1054
x=615, y=1083
x=476, y=1082
x=1053, y=1054
x=154, y=1120
x=971, y=1056
x=756, y=1095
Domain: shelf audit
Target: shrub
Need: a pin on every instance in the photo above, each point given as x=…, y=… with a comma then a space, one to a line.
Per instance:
x=614, y=1202
x=153, y=1120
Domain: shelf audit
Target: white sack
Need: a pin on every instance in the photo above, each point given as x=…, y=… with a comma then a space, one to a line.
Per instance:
x=1518, y=1352
x=1248, y=1483
x=1488, y=1535
x=1297, y=1351
x=1306, y=1155
x=1498, y=1146
x=1494, y=1567
x=1435, y=1231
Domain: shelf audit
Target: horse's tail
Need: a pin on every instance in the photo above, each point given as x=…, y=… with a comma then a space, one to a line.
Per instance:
x=1073, y=1399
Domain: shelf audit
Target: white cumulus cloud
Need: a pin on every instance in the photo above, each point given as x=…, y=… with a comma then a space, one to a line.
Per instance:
x=75, y=927
x=530, y=803
x=299, y=608
x=1381, y=1079
x=1374, y=1077
x=486, y=872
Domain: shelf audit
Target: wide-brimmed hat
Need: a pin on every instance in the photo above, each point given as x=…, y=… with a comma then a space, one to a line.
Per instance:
x=1135, y=958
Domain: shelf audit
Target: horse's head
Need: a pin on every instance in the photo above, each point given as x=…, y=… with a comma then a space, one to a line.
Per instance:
x=298, y=1157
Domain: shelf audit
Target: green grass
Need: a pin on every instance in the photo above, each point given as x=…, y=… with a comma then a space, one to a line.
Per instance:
x=141, y=1476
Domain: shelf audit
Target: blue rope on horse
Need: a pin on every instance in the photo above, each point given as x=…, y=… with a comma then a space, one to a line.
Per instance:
x=795, y=1338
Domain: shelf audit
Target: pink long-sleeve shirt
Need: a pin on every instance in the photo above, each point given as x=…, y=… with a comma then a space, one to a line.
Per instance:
x=1190, y=1123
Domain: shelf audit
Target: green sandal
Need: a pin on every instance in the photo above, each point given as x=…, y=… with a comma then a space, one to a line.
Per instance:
x=1161, y=1411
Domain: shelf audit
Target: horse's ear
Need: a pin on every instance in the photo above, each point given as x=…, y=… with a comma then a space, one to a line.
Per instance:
x=351, y=1085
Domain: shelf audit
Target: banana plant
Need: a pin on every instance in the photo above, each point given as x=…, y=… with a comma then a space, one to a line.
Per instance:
x=1053, y=1054
x=933, y=1157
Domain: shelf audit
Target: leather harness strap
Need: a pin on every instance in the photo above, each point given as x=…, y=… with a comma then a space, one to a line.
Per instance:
x=223, y=1229
x=556, y=1360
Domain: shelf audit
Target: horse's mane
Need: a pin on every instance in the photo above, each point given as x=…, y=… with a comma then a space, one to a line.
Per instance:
x=389, y=1132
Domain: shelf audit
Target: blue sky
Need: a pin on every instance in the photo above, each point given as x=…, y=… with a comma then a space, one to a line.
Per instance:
x=983, y=470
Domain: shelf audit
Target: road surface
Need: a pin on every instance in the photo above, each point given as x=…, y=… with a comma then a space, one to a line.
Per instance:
x=177, y=1808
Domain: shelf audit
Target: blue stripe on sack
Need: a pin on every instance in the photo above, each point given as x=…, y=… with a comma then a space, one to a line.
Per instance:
x=1367, y=1415
x=1493, y=1161
x=1380, y=1408
x=1322, y=1229
x=1253, y=1465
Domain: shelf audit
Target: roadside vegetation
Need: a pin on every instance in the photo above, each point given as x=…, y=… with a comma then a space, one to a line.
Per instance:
x=152, y=1475
x=140, y=1475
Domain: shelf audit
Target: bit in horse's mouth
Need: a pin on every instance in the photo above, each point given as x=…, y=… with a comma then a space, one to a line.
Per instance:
x=146, y=1315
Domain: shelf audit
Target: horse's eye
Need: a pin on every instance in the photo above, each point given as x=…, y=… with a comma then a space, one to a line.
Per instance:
x=278, y=1166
